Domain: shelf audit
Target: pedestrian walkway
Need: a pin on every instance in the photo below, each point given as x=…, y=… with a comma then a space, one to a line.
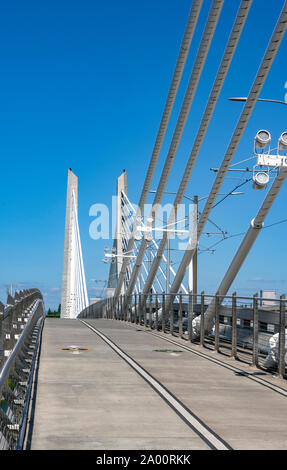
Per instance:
x=113, y=386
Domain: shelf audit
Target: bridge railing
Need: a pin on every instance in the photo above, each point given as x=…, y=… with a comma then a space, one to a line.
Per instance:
x=251, y=329
x=21, y=323
x=96, y=310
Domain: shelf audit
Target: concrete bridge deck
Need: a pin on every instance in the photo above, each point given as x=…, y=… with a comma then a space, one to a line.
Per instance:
x=132, y=390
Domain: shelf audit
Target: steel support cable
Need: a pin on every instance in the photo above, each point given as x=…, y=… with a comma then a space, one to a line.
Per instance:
x=170, y=268
x=256, y=88
x=126, y=236
x=135, y=250
x=205, y=43
x=180, y=64
x=146, y=271
x=208, y=113
x=135, y=247
x=126, y=233
x=246, y=244
x=83, y=287
x=162, y=273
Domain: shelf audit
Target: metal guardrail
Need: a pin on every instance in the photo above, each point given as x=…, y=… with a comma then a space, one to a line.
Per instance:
x=96, y=310
x=20, y=327
x=242, y=325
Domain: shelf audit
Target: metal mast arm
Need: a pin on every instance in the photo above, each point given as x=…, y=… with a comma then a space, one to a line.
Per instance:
x=183, y=53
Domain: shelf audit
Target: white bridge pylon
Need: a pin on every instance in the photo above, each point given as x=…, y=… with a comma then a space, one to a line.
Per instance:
x=74, y=289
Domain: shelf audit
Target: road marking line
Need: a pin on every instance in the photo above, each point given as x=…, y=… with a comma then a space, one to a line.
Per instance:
x=209, y=436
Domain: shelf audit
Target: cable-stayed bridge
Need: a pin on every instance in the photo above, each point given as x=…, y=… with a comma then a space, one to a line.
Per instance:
x=155, y=364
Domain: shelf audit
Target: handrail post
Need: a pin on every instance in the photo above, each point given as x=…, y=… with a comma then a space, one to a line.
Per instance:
x=180, y=332
x=156, y=312
x=122, y=308
x=150, y=311
x=171, y=320
x=202, y=320
x=281, y=346
x=130, y=308
x=255, y=331
x=234, y=327
x=190, y=315
x=138, y=317
x=124, y=312
x=216, y=326
x=163, y=313
x=113, y=307
x=135, y=313
x=1, y=339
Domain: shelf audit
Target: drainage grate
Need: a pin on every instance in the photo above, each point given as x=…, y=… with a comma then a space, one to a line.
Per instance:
x=74, y=349
x=169, y=351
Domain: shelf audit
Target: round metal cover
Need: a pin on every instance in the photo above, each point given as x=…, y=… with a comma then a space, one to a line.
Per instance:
x=74, y=349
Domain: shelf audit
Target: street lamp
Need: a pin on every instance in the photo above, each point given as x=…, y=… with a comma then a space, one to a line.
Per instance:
x=267, y=160
x=282, y=141
x=258, y=99
x=261, y=140
x=260, y=180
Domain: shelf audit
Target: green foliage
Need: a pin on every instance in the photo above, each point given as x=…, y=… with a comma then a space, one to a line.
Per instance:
x=10, y=384
x=3, y=405
x=54, y=313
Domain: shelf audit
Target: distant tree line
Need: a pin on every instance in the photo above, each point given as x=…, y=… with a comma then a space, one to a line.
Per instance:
x=54, y=313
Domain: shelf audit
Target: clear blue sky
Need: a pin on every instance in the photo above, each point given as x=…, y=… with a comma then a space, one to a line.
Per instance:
x=83, y=85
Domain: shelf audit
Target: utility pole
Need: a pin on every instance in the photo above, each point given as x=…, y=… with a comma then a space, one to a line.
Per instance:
x=192, y=271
